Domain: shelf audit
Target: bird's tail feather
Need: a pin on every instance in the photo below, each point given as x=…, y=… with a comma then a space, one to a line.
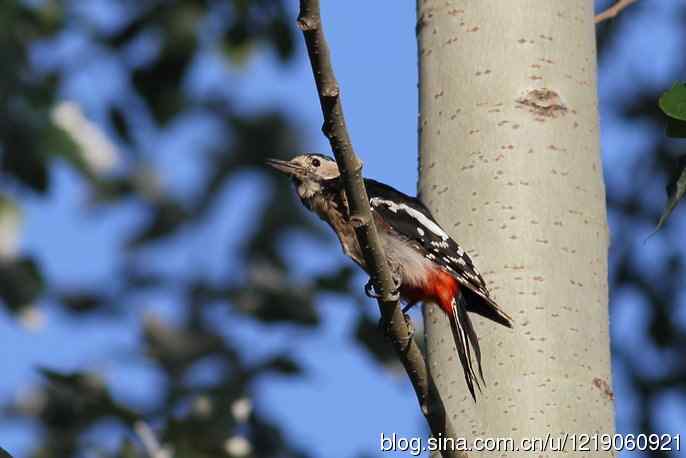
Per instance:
x=466, y=340
x=486, y=307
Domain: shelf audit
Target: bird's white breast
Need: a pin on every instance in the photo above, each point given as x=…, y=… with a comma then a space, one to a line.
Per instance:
x=414, y=266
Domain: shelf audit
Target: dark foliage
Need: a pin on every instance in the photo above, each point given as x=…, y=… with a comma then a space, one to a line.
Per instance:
x=657, y=283
x=194, y=419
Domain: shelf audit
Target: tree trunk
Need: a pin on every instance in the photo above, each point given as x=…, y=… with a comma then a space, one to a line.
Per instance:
x=510, y=166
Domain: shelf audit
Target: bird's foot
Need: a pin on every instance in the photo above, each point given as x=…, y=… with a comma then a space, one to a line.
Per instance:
x=397, y=278
x=370, y=291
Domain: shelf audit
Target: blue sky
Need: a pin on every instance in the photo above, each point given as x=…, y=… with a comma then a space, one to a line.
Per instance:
x=374, y=56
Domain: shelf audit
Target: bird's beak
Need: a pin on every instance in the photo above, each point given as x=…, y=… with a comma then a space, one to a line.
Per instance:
x=284, y=166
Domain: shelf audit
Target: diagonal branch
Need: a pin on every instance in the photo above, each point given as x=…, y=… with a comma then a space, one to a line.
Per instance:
x=150, y=443
x=309, y=21
x=613, y=11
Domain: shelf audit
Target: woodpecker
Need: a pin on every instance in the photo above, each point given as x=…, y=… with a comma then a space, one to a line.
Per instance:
x=429, y=266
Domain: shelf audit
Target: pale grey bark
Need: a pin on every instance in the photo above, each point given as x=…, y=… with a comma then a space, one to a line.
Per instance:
x=510, y=166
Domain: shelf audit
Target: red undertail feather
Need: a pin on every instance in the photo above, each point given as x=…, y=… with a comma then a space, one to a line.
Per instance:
x=440, y=287
x=444, y=289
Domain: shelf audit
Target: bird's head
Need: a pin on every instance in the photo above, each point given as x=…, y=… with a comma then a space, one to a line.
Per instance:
x=309, y=172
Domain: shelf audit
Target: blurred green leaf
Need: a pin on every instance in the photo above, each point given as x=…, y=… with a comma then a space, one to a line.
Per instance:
x=268, y=440
x=176, y=349
x=258, y=22
x=160, y=82
x=21, y=282
x=167, y=217
x=337, y=281
x=283, y=365
x=370, y=335
x=277, y=305
x=118, y=119
x=238, y=42
x=280, y=32
x=82, y=302
x=61, y=145
x=128, y=450
x=111, y=190
x=673, y=102
x=675, y=191
x=24, y=162
x=82, y=396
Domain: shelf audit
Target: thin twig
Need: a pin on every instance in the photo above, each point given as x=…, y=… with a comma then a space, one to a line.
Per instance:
x=149, y=440
x=613, y=11
x=309, y=21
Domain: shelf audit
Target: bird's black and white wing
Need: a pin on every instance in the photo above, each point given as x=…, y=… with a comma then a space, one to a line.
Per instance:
x=412, y=220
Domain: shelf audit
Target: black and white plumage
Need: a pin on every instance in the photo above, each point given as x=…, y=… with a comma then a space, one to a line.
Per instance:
x=431, y=265
x=412, y=220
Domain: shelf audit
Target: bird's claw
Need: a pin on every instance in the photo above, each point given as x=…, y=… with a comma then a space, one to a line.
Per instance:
x=394, y=295
x=397, y=278
x=370, y=291
x=397, y=282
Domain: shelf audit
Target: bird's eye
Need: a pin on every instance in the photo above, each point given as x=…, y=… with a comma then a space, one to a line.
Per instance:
x=315, y=162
